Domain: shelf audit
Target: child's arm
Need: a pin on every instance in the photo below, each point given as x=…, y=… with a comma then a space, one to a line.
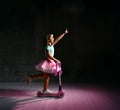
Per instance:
x=51, y=57
x=60, y=37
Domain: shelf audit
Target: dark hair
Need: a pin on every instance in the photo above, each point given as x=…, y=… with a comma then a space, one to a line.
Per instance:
x=45, y=38
x=48, y=36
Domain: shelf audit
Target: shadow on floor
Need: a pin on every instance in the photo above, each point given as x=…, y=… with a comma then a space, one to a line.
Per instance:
x=14, y=98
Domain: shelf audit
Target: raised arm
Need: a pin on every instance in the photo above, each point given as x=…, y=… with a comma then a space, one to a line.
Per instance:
x=60, y=36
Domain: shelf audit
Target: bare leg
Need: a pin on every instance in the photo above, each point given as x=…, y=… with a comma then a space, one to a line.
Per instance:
x=37, y=76
x=46, y=81
x=32, y=77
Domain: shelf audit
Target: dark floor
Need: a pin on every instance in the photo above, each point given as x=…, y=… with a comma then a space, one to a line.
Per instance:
x=19, y=96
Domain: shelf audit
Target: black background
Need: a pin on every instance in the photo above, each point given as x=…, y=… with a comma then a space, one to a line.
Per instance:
x=89, y=52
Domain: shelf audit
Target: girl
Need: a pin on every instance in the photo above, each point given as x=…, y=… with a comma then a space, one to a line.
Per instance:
x=48, y=65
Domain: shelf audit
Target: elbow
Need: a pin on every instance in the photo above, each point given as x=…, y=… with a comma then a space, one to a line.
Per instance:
x=49, y=56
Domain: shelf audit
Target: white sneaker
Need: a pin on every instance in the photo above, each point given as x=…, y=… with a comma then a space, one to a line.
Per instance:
x=48, y=91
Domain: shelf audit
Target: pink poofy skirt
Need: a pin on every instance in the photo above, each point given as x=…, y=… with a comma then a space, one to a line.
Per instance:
x=49, y=66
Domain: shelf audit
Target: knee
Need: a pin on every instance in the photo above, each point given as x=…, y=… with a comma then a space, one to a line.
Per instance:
x=46, y=75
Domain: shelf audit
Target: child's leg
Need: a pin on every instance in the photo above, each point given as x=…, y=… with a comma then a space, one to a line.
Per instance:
x=37, y=76
x=46, y=81
x=32, y=77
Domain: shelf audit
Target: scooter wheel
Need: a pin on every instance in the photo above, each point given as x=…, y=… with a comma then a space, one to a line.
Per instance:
x=39, y=93
x=61, y=94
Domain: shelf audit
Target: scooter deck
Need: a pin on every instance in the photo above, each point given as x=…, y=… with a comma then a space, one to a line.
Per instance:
x=58, y=94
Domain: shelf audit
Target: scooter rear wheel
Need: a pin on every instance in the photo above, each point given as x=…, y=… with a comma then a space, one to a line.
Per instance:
x=39, y=93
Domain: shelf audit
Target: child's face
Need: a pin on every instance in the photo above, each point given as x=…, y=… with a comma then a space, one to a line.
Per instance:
x=51, y=38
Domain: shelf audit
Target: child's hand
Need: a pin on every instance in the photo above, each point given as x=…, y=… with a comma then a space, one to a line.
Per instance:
x=66, y=31
x=58, y=61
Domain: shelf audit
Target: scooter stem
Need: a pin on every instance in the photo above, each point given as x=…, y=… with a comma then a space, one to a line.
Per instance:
x=60, y=83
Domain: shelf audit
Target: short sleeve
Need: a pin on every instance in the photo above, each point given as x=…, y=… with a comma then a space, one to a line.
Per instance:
x=48, y=48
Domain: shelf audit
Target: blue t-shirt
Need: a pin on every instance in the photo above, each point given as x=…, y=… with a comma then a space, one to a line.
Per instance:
x=51, y=49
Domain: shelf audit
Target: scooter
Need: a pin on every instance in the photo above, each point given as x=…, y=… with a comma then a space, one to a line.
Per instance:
x=59, y=94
